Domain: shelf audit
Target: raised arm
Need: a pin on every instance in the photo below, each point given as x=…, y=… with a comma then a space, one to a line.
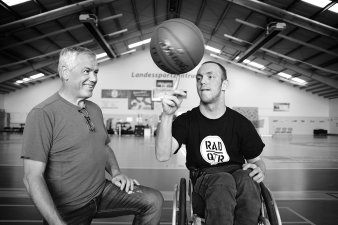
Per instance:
x=165, y=144
x=38, y=190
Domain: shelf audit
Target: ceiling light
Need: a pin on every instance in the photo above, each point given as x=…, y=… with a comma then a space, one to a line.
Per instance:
x=321, y=3
x=294, y=81
x=254, y=64
x=36, y=76
x=299, y=81
x=19, y=82
x=146, y=41
x=101, y=55
x=285, y=75
x=212, y=49
x=103, y=60
x=285, y=80
x=128, y=52
x=26, y=79
x=14, y=2
x=257, y=65
x=239, y=64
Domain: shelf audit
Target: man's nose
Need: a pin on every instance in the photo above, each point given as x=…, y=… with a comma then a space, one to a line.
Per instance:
x=203, y=80
x=93, y=76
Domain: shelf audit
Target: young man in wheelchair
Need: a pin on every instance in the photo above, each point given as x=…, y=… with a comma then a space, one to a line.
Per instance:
x=223, y=150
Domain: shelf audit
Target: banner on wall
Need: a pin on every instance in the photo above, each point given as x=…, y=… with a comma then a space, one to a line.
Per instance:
x=114, y=93
x=281, y=107
x=163, y=87
x=164, y=83
x=127, y=99
x=140, y=99
x=158, y=93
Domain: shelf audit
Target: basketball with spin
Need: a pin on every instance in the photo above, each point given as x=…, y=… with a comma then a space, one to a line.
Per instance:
x=177, y=46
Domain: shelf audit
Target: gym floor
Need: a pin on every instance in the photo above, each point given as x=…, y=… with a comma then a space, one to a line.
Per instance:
x=302, y=175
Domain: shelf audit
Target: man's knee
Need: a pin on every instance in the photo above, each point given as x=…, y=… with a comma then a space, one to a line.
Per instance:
x=154, y=199
x=242, y=177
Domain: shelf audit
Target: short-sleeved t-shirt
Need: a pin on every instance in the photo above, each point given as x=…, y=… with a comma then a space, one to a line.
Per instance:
x=228, y=140
x=57, y=134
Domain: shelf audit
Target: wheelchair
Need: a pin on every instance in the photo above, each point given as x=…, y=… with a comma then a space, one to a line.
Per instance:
x=181, y=216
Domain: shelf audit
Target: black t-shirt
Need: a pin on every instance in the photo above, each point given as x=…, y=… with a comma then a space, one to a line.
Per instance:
x=230, y=139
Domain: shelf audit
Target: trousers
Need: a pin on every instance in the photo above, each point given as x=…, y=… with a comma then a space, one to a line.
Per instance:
x=224, y=198
x=144, y=202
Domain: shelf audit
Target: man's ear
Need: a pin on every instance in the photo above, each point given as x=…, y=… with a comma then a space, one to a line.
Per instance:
x=225, y=85
x=65, y=73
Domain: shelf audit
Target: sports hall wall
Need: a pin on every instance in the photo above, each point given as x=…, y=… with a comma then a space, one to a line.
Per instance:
x=124, y=87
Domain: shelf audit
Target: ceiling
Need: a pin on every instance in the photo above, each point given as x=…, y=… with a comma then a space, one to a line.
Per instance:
x=285, y=36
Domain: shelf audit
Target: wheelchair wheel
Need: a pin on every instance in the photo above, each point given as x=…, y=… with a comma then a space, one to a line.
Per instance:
x=190, y=212
x=174, y=205
x=182, y=204
x=270, y=206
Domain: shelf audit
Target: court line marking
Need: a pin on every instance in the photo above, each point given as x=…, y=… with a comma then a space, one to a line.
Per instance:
x=301, y=168
x=31, y=205
x=276, y=168
x=12, y=189
x=20, y=221
x=298, y=214
x=11, y=205
x=306, y=221
x=14, y=165
x=302, y=222
x=168, y=195
x=184, y=168
x=93, y=222
x=115, y=222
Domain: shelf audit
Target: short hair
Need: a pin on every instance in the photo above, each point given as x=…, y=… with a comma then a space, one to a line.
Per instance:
x=68, y=56
x=224, y=72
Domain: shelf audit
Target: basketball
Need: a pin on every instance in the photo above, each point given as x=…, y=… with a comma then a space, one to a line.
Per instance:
x=177, y=46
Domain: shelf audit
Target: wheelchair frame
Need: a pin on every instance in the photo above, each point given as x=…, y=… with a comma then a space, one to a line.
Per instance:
x=269, y=211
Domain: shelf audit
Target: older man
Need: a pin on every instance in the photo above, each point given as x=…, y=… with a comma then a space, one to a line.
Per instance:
x=66, y=153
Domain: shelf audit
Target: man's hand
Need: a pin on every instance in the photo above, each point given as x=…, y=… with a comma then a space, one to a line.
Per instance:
x=171, y=103
x=256, y=173
x=124, y=182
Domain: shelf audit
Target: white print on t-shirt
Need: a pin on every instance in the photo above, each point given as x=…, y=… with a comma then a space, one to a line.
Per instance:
x=213, y=150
